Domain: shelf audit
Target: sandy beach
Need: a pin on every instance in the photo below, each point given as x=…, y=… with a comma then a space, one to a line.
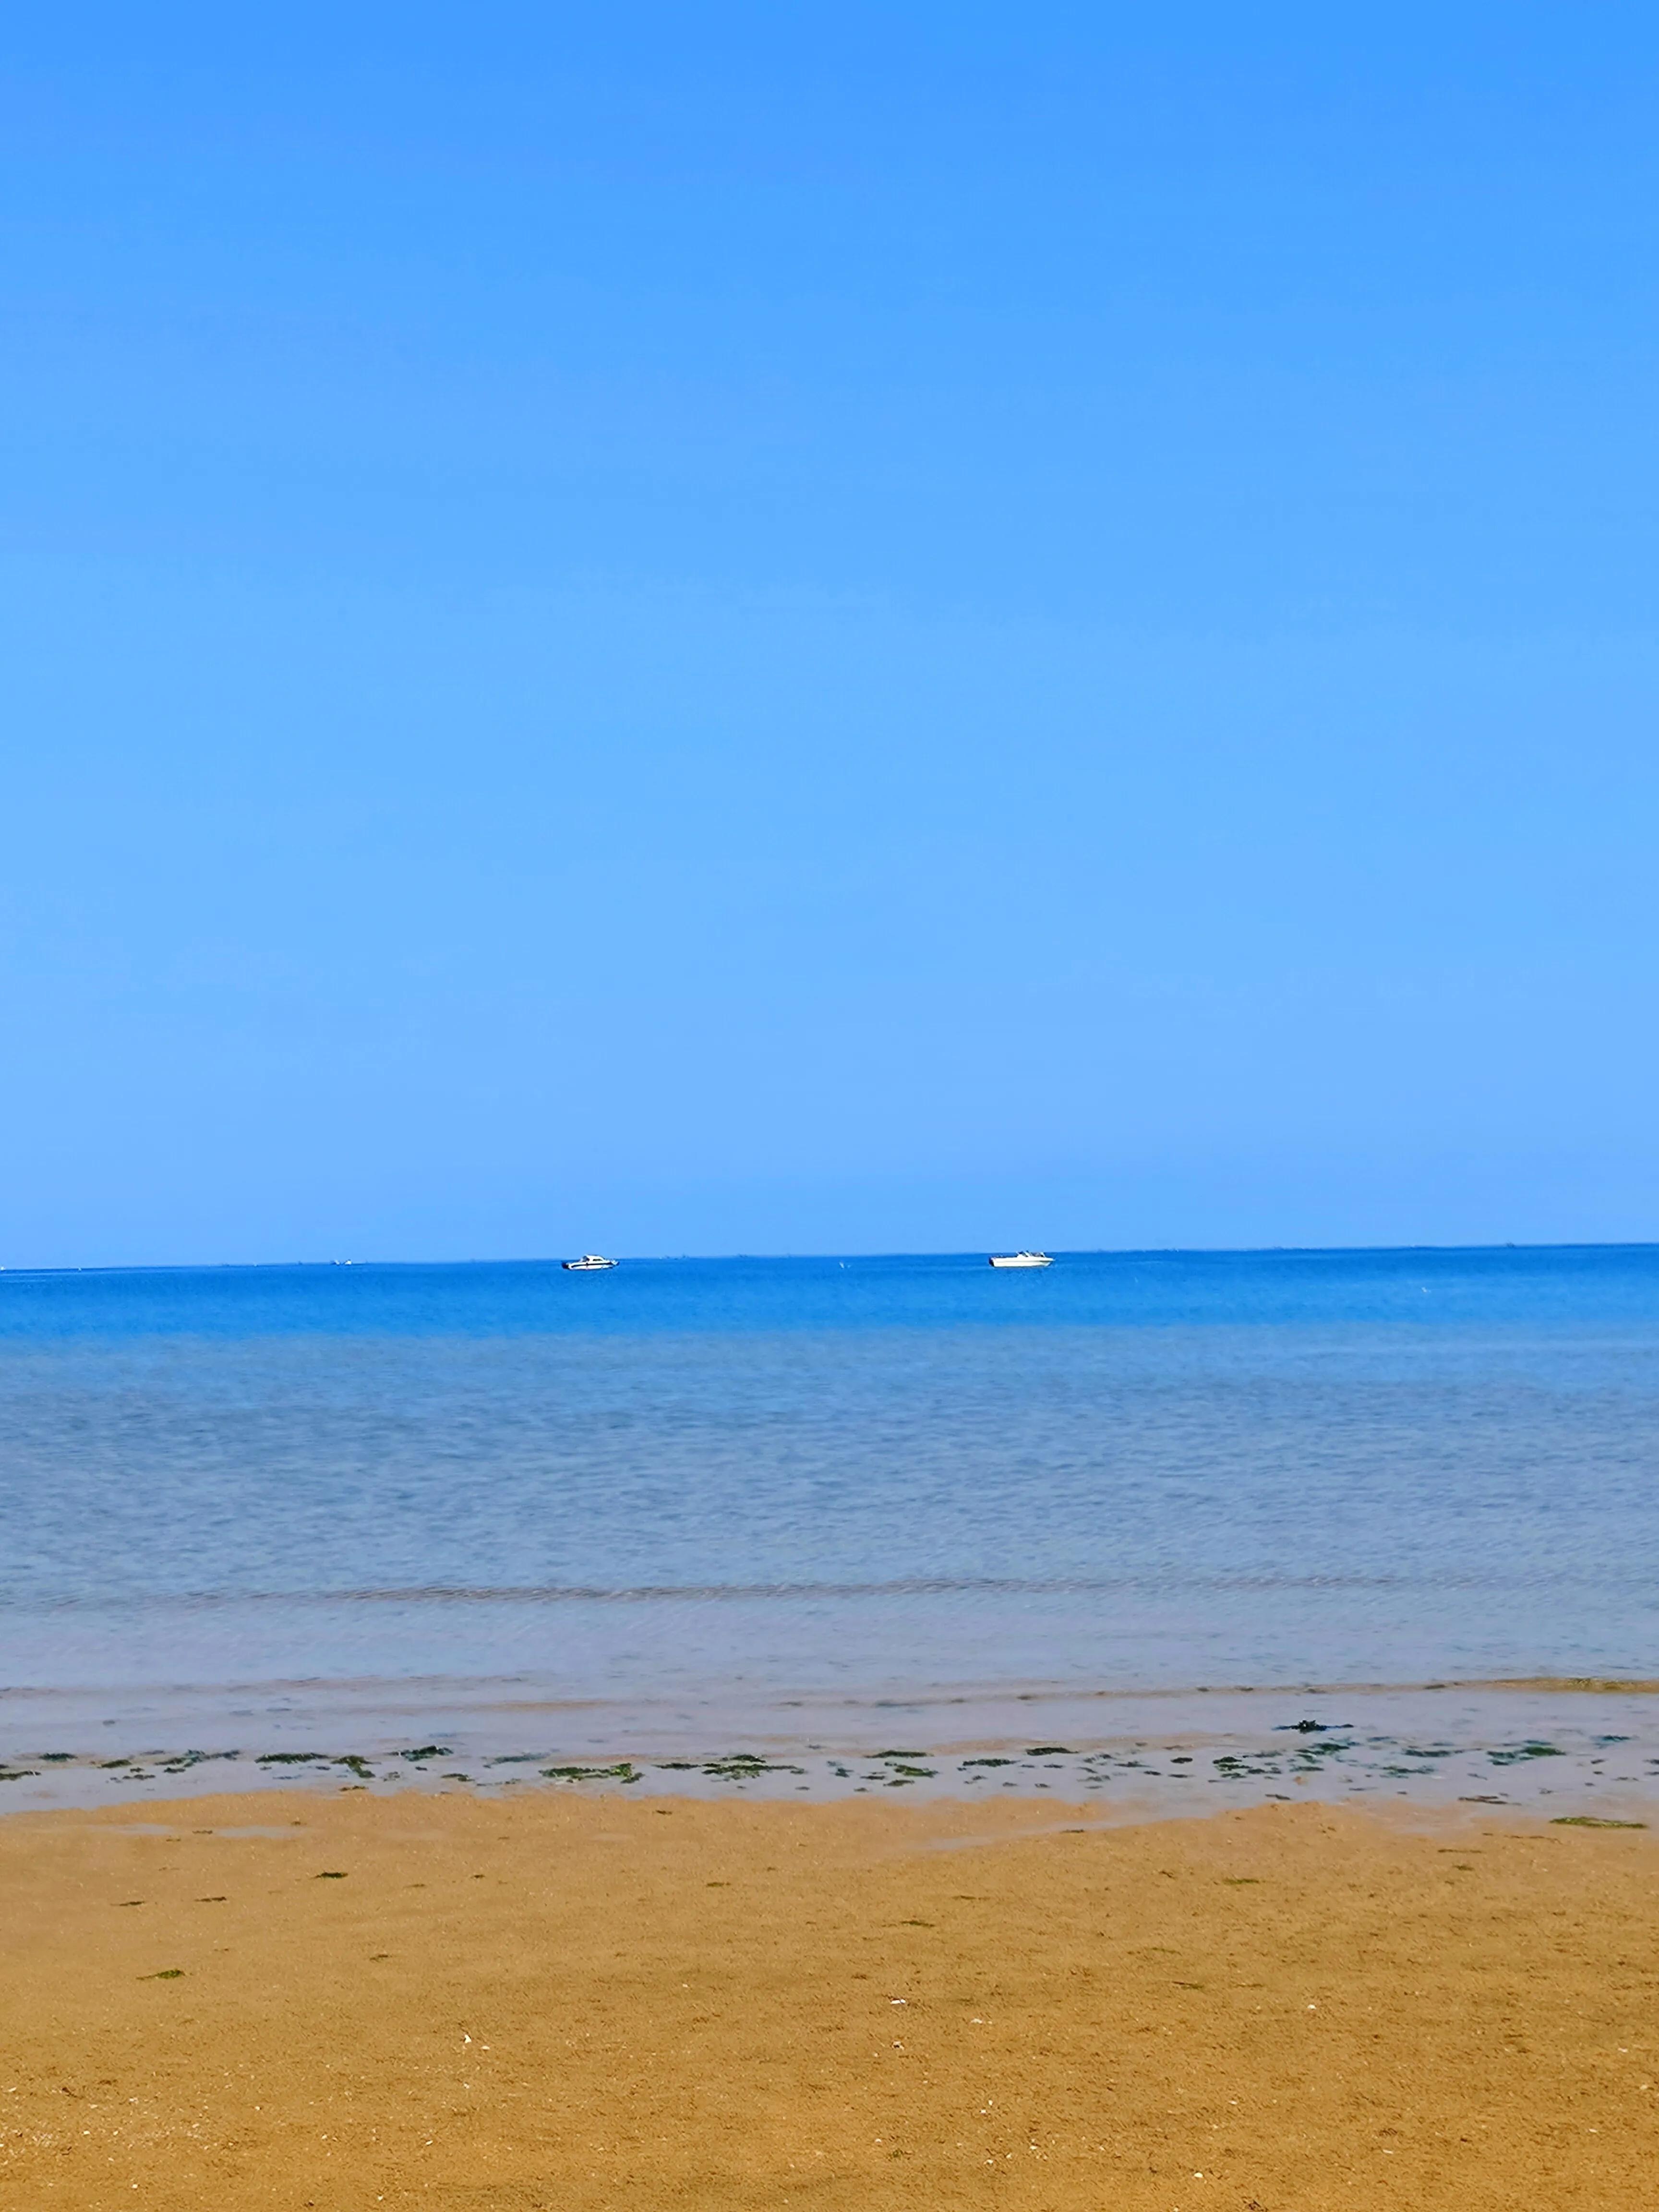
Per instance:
x=572, y=2000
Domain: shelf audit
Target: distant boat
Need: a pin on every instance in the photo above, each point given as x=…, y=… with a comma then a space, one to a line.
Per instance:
x=1021, y=1260
x=587, y=1263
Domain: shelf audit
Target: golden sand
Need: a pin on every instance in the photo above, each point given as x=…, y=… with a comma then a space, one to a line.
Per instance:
x=581, y=2003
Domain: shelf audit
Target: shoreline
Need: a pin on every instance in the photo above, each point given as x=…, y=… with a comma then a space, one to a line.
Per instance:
x=556, y=2000
x=1547, y=1743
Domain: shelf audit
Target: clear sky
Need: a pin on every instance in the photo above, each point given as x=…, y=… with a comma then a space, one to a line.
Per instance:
x=826, y=627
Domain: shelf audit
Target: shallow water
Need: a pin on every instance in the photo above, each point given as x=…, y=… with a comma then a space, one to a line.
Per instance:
x=703, y=1489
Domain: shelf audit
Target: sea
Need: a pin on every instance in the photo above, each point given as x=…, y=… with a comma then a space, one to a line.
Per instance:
x=1284, y=1521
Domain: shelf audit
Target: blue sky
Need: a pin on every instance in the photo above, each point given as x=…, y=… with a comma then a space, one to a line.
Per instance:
x=808, y=628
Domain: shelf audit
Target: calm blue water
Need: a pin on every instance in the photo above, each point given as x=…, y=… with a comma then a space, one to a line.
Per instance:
x=823, y=1475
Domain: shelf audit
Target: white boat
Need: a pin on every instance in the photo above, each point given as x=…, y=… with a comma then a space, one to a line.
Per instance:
x=587, y=1263
x=1021, y=1260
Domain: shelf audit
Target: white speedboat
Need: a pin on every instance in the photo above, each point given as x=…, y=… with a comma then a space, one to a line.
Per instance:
x=588, y=1262
x=1021, y=1260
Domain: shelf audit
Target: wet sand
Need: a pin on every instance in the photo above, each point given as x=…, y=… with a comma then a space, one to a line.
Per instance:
x=571, y=2000
x=1547, y=1746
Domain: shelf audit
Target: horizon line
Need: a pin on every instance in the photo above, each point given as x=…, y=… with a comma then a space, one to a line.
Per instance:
x=964, y=1252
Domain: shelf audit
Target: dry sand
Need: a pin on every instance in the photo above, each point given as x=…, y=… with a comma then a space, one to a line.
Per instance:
x=581, y=2003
